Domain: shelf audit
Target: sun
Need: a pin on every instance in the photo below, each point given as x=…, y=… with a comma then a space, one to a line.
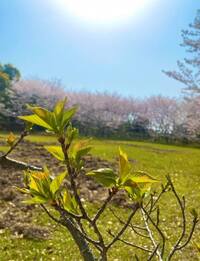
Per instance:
x=104, y=12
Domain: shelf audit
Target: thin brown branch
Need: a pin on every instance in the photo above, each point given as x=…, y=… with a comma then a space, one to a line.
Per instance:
x=23, y=134
x=164, y=189
x=71, y=173
x=120, y=233
x=89, y=239
x=102, y=208
x=157, y=216
x=72, y=181
x=153, y=253
x=182, y=208
x=133, y=227
x=130, y=244
x=195, y=221
x=138, y=233
x=50, y=215
x=7, y=162
x=64, y=212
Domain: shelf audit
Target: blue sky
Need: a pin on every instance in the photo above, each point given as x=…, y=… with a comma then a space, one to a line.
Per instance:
x=45, y=42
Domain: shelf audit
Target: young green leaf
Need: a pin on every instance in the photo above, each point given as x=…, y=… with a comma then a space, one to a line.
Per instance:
x=133, y=191
x=56, y=183
x=59, y=108
x=46, y=116
x=67, y=115
x=35, y=119
x=104, y=176
x=36, y=200
x=56, y=151
x=124, y=165
x=143, y=178
x=69, y=203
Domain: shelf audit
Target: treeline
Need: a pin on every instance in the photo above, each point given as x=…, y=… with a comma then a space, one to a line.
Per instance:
x=109, y=115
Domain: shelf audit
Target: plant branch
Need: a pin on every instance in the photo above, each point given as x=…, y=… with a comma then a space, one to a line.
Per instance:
x=195, y=221
x=151, y=234
x=23, y=134
x=153, y=253
x=102, y=208
x=120, y=233
x=130, y=244
x=181, y=204
x=49, y=214
x=158, y=229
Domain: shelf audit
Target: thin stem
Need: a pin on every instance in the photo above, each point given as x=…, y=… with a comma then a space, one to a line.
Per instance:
x=102, y=208
x=120, y=233
x=195, y=221
x=153, y=253
x=151, y=235
x=49, y=214
x=130, y=244
x=182, y=208
x=23, y=134
x=72, y=181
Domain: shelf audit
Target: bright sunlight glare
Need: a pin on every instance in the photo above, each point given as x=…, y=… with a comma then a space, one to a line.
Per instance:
x=104, y=11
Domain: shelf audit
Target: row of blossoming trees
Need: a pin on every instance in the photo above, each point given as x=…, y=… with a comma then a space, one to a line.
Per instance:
x=110, y=115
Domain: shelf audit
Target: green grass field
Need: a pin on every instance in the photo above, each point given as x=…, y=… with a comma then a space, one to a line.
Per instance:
x=182, y=163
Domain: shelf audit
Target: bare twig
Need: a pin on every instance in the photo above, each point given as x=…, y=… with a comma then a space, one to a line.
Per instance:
x=64, y=212
x=23, y=134
x=133, y=227
x=164, y=189
x=130, y=244
x=50, y=215
x=9, y=163
x=102, y=208
x=138, y=233
x=182, y=208
x=157, y=216
x=181, y=204
x=144, y=215
x=195, y=221
x=120, y=233
x=153, y=253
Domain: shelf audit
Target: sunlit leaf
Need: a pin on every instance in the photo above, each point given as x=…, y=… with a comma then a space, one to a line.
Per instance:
x=67, y=115
x=34, y=185
x=56, y=151
x=69, y=203
x=36, y=120
x=141, y=177
x=36, y=200
x=56, y=183
x=59, y=109
x=124, y=166
x=104, y=176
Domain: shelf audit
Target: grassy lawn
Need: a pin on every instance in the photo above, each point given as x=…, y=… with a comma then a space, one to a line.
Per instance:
x=182, y=163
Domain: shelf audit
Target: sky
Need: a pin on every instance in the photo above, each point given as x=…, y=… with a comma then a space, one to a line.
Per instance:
x=43, y=40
